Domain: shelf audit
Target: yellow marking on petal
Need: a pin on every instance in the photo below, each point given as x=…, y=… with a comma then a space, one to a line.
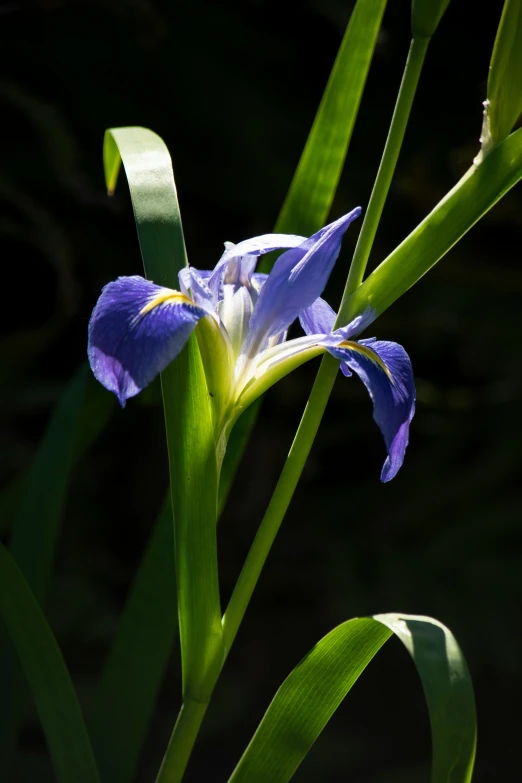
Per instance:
x=165, y=295
x=371, y=355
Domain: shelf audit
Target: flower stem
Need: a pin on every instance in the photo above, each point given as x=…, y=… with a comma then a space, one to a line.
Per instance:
x=327, y=374
x=182, y=741
x=280, y=499
x=383, y=180
x=192, y=712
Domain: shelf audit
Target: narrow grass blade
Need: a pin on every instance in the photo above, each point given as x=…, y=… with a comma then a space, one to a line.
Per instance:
x=188, y=416
x=313, y=187
x=479, y=190
x=315, y=181
x=125, y=696
x=36, y=521
x=48, y=678
x=310, y=695
x=79, y=416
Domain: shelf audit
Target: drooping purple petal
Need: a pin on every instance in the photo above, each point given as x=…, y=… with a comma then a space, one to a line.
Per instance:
x=136, y=329
x=392, y=391
x=296, y=281
x=319, y=318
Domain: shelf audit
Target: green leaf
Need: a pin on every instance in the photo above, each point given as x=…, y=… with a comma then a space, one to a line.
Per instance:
x=77, y=420
x=188, y=414
x=310, y=695
x=425, y=16
x=125, y=696
x=48, y=678
x=313, y=187
x=480, y=189
x=81, y=413
x=504, y=105
x=154, y=198
x=315, y=181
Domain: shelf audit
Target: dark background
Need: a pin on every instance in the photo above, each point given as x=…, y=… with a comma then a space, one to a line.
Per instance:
x=232, y=88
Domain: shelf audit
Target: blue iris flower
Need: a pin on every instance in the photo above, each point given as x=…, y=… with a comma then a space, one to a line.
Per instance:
x=241, y=319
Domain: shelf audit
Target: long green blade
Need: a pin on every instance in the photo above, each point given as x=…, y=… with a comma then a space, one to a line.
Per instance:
x=311, y=193
x=478, y=191
x=82, y=411
x=313, y=187
x=78, y=418
x=310, y=695
x=126, y=694
x=193, y=469
x=48, y=678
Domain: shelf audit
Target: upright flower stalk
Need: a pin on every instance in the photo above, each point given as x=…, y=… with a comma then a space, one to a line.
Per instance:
x=240, y=319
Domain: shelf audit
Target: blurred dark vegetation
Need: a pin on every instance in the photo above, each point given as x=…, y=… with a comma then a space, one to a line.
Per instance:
x=232, y=88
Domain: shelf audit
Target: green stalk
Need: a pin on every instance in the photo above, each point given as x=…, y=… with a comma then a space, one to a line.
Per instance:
x=182, y=741
x=280, y=499
x=325, y=379
x=192, y=712
x=383, y=180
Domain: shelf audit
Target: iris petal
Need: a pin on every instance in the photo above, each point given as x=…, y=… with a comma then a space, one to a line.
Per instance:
x=319, y=318
x=137, y=328
x=392, y=392
x=198, y=282
x=297, y=279
x=257, y=246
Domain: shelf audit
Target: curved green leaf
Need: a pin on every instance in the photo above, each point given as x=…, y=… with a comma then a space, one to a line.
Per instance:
x=125, y=696
x=310, y=695
x=479, y=190
x=47, y=675
x=188, y=414
x=154, y=198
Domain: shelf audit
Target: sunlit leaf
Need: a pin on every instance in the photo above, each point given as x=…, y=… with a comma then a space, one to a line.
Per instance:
x=315, y=181
x=188, y=415
x=311, y=193
x=309, y=696
x=480, y=189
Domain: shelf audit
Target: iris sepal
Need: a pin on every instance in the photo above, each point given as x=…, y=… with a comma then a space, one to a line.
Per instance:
x=241, y=320
x=137, y=328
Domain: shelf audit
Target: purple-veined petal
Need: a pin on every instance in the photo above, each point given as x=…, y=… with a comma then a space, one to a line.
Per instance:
x=136, y=329
x=319, y=318
x=198, y=282
x=385, y=369
x=258, y=280
x=237, y=271
x=258, y=246
x=296, y=281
